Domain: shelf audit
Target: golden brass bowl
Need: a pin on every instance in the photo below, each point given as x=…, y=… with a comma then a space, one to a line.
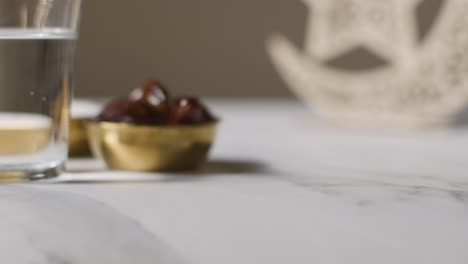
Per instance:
x=151, y=148
x=22, y=134
x=81, y=111
x=78, y=139
x=23, y=141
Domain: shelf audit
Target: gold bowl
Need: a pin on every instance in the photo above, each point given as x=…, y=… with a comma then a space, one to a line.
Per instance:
x=78, y=138
x=81, y=111
x=151, y=148
x=22, y=134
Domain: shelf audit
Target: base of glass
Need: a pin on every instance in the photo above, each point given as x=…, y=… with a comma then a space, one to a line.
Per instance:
x=34, y=174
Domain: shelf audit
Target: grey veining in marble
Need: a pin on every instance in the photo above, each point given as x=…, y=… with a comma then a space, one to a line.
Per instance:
x=51, y=227
x=283, y=187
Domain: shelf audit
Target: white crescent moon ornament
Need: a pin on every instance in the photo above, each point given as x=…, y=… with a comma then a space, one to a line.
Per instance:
x=423, y=83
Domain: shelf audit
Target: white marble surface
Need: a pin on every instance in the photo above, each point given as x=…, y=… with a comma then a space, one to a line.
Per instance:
x=51, y=227
x=282, y=187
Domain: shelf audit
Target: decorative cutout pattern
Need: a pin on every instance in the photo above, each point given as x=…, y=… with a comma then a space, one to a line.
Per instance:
x=419, y=82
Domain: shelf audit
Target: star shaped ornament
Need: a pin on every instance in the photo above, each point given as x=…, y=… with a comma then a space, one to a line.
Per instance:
x=386, y=28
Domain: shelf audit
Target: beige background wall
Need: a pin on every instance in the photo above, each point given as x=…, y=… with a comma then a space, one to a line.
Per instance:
x=203, y=47
x=206, y=47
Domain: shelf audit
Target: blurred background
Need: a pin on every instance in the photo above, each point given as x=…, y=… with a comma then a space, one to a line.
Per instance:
x=205, y=47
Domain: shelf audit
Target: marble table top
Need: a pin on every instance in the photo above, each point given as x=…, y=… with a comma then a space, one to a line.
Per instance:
x=281, y=187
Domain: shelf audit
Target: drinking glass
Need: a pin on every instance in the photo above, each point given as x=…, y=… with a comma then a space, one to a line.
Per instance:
x=37, y=54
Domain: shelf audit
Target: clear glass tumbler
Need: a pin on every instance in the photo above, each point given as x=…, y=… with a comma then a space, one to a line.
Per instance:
x=37, y=54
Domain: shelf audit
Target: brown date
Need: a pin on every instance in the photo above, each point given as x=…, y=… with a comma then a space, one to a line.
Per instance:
x=126, y=111
x=156, y=97
x=189, y=111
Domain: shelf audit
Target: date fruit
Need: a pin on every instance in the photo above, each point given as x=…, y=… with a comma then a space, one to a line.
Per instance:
x=151, y=104
x=189, y=111
x=155, y=97
x=126, y=111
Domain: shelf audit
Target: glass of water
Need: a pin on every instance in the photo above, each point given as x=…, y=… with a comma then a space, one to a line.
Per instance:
x=37, y=54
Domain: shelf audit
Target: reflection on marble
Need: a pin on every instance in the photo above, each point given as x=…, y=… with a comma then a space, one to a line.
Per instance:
x=50, y=227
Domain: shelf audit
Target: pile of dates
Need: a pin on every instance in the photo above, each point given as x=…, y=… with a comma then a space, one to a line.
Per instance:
x=151, y=104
